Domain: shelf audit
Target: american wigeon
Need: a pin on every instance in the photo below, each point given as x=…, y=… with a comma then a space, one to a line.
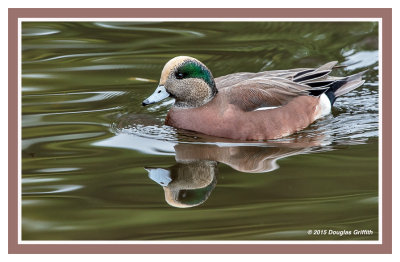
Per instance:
x=248, y=106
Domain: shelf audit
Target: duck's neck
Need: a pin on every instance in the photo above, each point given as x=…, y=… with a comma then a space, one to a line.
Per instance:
x=192, y=104
x=196, y=102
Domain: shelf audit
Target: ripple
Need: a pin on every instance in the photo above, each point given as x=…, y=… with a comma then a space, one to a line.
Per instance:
x=37, y=75
x=85, y=55
x=51, y=189
x=39, y=32
x=58, y=169
x=139, y=27
x=93, y=68
x=97, y=96
x=39, y=180
x=26, y=143
x=361, y=59
x=138, y=143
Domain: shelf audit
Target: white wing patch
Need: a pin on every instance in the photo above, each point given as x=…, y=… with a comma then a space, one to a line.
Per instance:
x=265, y=108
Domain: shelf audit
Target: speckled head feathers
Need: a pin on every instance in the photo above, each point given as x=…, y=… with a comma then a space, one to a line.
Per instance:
x=189, y=81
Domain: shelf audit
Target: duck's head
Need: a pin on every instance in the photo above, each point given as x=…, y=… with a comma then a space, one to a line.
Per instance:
x=187, y=80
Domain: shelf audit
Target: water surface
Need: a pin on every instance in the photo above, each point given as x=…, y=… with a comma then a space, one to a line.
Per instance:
x=96, y=165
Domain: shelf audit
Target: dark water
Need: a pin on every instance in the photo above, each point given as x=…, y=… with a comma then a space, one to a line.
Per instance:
x=96, y=165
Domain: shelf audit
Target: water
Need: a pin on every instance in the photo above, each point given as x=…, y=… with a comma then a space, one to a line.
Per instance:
x=96, y=165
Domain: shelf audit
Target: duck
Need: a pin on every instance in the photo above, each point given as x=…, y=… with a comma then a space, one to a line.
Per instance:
x=245, y=105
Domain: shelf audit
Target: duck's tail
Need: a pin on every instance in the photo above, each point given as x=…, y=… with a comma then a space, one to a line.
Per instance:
x=344, y=85
x=322, y=83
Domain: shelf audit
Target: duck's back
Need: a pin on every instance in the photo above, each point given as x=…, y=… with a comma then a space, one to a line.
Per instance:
x=235, y=78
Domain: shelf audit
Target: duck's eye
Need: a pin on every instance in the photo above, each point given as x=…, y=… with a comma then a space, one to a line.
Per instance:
x=179, y=75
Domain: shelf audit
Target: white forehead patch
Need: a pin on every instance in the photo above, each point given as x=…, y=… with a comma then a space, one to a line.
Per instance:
x=171, y=65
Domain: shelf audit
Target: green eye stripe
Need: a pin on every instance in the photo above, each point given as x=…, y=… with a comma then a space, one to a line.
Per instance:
x=192, y=69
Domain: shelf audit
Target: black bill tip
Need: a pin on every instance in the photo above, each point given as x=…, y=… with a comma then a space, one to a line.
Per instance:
x=145, y=103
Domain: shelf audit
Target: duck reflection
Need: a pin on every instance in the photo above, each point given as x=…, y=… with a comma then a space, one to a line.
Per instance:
x=191, y=180
x=186, y=184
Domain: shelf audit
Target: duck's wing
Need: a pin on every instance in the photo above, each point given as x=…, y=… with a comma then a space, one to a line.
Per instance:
x=260, y=92
x=236, y=78
x=296, y=74
x=251, y=91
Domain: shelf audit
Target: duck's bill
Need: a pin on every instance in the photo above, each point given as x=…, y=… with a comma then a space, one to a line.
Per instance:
x=161, y=176
x=159, y=94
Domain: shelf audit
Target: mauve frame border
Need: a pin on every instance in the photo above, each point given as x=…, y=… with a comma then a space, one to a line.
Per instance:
x=97, y=13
